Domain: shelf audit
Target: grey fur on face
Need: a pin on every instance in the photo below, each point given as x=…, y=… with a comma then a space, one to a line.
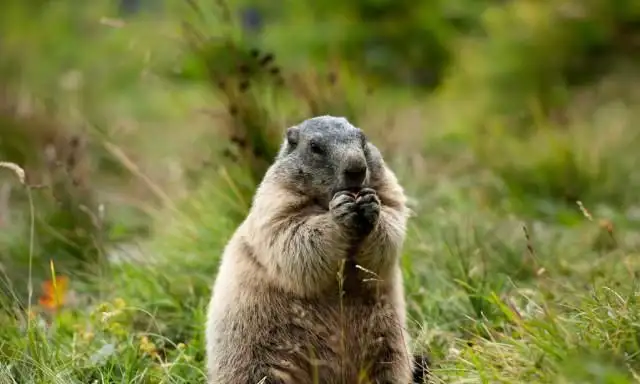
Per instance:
x=325, y=155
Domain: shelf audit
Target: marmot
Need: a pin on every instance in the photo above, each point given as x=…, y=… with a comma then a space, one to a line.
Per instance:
x=309, y=289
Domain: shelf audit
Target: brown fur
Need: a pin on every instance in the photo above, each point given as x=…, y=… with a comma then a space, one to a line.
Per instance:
x=299, y=300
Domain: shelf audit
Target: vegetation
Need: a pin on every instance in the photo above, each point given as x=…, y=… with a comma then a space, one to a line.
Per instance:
x=131, y=144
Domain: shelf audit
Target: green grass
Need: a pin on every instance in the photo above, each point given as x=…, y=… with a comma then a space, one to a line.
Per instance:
x=522, y=257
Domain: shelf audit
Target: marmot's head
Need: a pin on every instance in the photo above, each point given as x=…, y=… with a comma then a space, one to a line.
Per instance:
x=324, y=155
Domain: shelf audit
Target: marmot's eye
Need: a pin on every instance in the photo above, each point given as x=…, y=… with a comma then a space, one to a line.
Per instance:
x=316, y=148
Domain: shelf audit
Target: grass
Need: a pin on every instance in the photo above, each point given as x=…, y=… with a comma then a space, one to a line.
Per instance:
x=521, y=260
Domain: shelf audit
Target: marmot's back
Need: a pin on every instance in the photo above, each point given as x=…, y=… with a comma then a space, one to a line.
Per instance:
x=310, y=285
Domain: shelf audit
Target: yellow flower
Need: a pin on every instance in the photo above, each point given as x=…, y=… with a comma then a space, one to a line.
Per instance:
x=102, y=307
x=119, y=303
x=148, y=347
x=87, y=336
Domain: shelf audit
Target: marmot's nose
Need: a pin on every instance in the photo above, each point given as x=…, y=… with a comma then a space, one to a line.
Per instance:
x=355, y=174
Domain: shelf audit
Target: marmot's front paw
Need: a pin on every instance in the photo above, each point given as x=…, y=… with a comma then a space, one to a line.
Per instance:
x=357, y=213
x=368, y=206
x=343, y=209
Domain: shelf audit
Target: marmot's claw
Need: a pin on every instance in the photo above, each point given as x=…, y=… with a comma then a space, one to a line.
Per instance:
x=366, y=191
x=343, y=192
x=340, y=199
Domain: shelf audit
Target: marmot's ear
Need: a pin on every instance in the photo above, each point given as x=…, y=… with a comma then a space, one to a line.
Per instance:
x=363, y=138
x=375, y=162
x=372, y=152
x=293, y=134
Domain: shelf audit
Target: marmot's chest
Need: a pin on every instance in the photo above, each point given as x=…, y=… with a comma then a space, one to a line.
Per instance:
x=354, y=320
x=359, y=286
x=345, y=338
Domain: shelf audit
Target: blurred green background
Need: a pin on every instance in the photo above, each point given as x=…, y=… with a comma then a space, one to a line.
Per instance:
x=143, y=128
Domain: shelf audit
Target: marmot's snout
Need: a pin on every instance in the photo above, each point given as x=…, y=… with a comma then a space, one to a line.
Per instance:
x=354, y=174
